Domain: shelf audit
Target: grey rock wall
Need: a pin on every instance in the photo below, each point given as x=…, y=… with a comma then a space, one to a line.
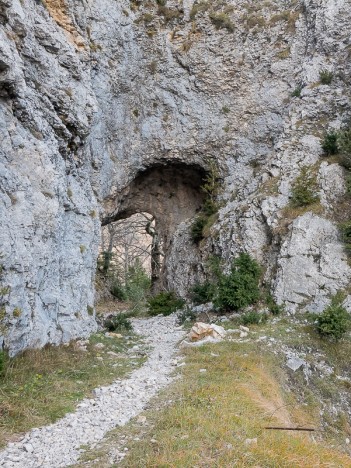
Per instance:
x=92, y=94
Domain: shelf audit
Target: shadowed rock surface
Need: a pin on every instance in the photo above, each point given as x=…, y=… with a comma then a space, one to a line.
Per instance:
x=95, y=97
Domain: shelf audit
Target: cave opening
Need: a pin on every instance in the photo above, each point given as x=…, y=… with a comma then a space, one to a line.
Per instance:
x=141, y=220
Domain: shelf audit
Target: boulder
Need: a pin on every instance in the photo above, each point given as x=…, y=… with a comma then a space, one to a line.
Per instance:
x=202, y=330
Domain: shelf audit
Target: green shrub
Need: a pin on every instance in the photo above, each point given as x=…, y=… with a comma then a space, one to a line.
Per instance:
x=202, y=293
x=165, y=303
x=2, y=363
x=297, y=92
x=348, y=183
x=344, y=146
x=90, y=310
x=330, y=144
x=253, y=318
x=138, y=283
x=241, y=287
x=17, y=312
x=210, y=207
x=273, y=307
x=276, y=309
x=118, y=322
x=304, y=189
x=214, y=264
x=197, y=227
x=345, y=230
x=117, y=290
x=221, y=21
x=326, y=77
x=185, y=315
x=334, y=322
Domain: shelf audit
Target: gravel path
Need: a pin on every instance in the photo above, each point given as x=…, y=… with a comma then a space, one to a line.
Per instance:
x=58, y=445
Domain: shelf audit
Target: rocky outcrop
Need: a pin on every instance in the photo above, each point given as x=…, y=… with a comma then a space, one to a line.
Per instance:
x=94, y=95
x=312, y=264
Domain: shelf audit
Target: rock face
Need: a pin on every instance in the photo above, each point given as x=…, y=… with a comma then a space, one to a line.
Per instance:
x=94, y=96
x=311, y=264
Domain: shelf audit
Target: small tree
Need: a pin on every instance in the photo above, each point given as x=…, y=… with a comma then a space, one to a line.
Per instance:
x=334, y=322
x=211, y=187
x=241, y=287
x=345, y=229
x=138, y=282
x=330, y=144
x=344, y=145
x=202, y=293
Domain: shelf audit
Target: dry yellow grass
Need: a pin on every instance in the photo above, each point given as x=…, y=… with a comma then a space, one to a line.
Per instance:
x=214, y=413
x=289, y=214
x=40, y=386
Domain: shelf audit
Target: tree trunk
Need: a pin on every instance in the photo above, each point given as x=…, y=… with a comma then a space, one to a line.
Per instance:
x=155, y=253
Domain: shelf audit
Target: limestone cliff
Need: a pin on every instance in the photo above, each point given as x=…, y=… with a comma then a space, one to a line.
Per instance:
x=96, y=96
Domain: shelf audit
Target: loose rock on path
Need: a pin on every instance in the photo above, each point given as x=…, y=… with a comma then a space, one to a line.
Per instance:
x=58, y=444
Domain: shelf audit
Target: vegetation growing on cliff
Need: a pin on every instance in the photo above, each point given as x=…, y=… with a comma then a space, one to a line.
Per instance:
x=204, y=220
x=304, y=189
x=240, y=287
x=233, y=291
x=339, y=143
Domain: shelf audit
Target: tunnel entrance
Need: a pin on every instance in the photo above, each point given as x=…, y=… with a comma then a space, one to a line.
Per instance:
x=130, y=257
x=144, y=216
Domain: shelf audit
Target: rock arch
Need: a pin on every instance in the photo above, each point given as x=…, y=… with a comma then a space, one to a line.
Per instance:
x=170, y=192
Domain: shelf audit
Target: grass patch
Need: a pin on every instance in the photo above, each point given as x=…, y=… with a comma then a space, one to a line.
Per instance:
x=326, y=77
x=305, y=189
x=206, y=418
x=199, y=7
x=297, y=91
x=253, y=318
x=290, y=213
x=284, y=54
x=222, y=21
x=40, y=386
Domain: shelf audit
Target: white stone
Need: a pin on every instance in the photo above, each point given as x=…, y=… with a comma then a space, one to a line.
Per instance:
x=294, y=363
